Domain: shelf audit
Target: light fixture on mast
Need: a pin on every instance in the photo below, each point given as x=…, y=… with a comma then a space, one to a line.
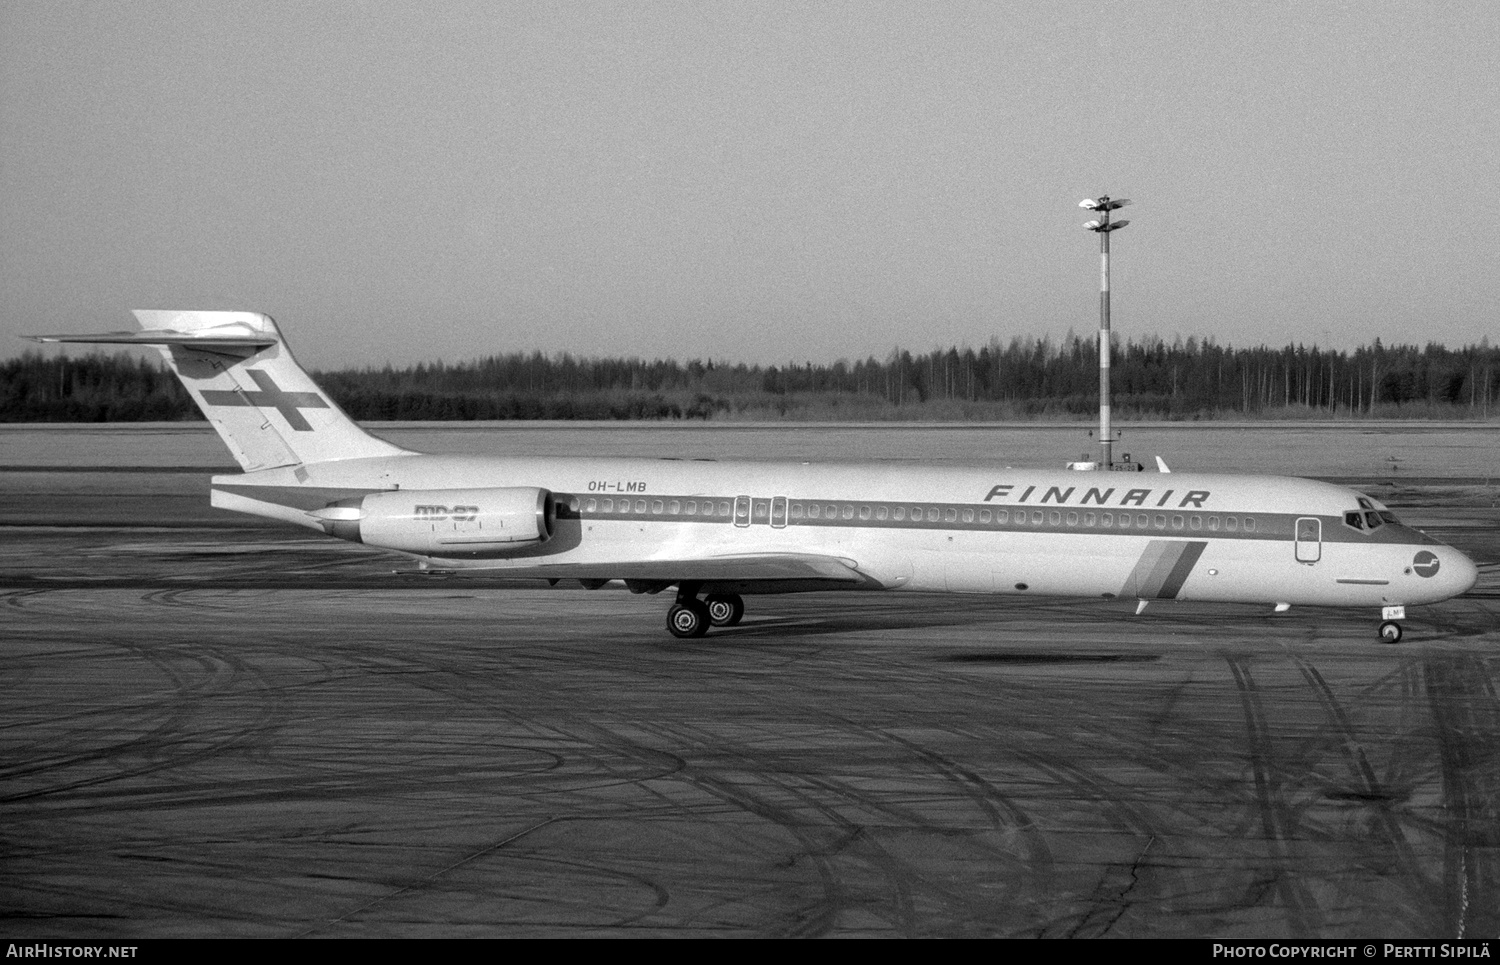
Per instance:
x=1103, y=226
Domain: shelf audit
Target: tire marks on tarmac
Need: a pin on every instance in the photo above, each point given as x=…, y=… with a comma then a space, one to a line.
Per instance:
x=1461, y=692
x=1278, y=822
x=837, y=782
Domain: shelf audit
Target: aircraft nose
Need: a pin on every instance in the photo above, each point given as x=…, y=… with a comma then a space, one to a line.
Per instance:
x=1439, y=573
x=1464, y=573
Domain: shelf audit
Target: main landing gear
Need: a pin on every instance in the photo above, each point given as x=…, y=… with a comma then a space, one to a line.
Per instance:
x=725, y=609
x=690, y=617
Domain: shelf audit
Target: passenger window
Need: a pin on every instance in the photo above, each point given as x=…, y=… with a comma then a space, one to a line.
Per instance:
x=864, y=512
x=657, y=506
x=881, y=512
x=1072, y=519
x=899, y=513
x=609, y=505
x=796, y=510
x=932, y=514
x=675, y=507
x=1177, y=522
x=968, y=515
x=1108, y=519
x=1002, y=516
x=723, y=508
x=950, y=516
x=640, y=505
x=761, y=511
x=1249, y=524
x=1195, y=523
x=831, y=511
x=1088, y=519
x=1124, y=520
x=984, y=516
x=591, y=505
x=1213, y=524
x=573, y=504
x=1055, y=518
x=1142, y=521
x=1161, y=521
x=814, y=511
x=1036, y=517
x=848, y=512
x=1231, y=524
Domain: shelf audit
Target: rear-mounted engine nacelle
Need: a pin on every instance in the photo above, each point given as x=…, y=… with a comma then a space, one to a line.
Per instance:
x=445, y=522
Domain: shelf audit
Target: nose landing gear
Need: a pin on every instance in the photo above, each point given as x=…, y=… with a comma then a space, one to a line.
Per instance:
x=1390, y=630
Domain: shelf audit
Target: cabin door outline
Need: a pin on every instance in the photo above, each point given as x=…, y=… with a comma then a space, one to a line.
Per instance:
x=1309, y=539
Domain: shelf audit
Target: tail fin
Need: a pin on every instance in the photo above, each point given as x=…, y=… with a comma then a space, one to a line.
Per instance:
x=241, y=373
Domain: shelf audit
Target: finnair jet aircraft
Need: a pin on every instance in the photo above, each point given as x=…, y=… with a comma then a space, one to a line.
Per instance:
x=719, y=530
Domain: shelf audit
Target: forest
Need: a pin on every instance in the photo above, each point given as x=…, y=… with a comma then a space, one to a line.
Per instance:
x=1027, y=378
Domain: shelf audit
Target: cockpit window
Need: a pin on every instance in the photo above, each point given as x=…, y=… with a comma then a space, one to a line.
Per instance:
x=1368, y=517
x=1367, y=520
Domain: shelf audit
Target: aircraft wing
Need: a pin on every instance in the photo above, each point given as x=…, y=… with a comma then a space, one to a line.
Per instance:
x=717, y=569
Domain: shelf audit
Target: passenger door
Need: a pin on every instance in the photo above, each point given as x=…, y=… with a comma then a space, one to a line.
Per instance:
x=1309, y=540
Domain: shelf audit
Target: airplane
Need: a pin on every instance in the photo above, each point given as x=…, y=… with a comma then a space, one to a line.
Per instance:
x=720, y=531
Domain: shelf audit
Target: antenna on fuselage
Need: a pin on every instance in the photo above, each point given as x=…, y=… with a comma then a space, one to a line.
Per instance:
x=1103, y=226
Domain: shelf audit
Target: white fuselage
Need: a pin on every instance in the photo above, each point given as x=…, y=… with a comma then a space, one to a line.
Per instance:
x=960, y=529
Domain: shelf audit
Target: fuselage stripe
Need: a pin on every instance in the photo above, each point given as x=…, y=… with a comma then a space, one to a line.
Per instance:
x=1187, y=558
x=1162, y=569
x=1140, y=583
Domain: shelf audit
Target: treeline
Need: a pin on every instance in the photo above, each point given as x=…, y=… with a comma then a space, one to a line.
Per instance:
x=97, y=388
x=1027, y=378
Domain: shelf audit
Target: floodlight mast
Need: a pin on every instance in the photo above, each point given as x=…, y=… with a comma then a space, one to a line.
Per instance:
x=1103, y=226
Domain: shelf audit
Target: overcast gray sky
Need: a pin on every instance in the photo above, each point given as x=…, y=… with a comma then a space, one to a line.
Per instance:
x=764, y=182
